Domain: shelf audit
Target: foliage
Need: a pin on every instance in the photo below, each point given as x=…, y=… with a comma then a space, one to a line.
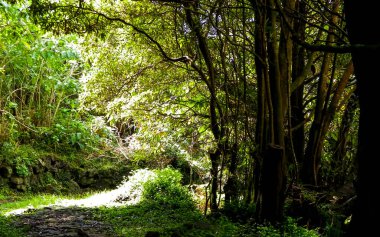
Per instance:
x=239, y=212
x=157, y=120
x=166, y=191
x=22, y=157
x=137, y=220
x=289, y=228
x=180, y=81
x=8, y=229
x=39, y=86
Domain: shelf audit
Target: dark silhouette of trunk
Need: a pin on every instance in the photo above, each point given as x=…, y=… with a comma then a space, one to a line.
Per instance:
x=359, y=15
x=231, y=187
x=341, y=166
x=272, y=66
x=215, y=160
x=273, y=186
x=297, y=142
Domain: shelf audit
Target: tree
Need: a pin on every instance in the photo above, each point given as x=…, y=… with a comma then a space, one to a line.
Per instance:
x=365, y=54
x=209, y=41
x=259, y=71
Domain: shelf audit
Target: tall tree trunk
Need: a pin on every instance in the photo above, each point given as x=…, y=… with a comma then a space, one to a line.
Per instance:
x=231, y=187
x=341, y=166
x=216, y=113
x=273, y=171
x=359, y=15
x=297, y=139
x=263, y=105
x=311, y=164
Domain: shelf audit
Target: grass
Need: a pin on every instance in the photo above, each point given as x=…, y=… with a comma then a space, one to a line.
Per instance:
x=28, y=201
x=134, y=220
x=164, y=209
x=137, y=220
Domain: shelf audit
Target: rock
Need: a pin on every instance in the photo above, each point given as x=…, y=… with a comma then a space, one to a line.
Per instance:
x=63, y=222
x=6, y=171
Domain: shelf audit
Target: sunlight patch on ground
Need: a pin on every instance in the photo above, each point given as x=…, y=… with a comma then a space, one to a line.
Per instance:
x=127, y=193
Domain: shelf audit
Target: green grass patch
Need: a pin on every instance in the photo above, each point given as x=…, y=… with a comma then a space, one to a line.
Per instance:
x=137, y=220
x=29, y=201
x=166, y=208
x=10, y=201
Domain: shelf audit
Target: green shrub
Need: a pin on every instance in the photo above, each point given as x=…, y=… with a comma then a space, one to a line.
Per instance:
x=165, y=190
x=22, y=157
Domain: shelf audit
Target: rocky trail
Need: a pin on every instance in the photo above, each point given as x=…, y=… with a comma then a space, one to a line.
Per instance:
x=59, y=221
x=75, y=217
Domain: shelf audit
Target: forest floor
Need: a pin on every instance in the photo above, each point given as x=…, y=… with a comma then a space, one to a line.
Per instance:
x=69, y=217
x=121, y=212
x=110, y=213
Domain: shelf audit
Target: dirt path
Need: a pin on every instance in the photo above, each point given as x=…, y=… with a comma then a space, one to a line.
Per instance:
x=72, y=218
x=69, y=217
x=63, y=222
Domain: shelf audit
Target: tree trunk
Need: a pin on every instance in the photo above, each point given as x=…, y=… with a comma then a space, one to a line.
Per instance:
x=231, y=187
x=297, y=139
x=215, y=160
x=312, y=162
x=271, y=75
x=341, y=166
x=359, y=14
x=273, y=184
x=216, y=113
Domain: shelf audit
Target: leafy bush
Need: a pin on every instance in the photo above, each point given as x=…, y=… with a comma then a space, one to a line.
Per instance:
x=19, y=156
x=39, y=85
x=165, y=190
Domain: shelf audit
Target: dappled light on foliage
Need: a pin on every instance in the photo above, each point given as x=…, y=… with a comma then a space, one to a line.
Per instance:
x=183, y=118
